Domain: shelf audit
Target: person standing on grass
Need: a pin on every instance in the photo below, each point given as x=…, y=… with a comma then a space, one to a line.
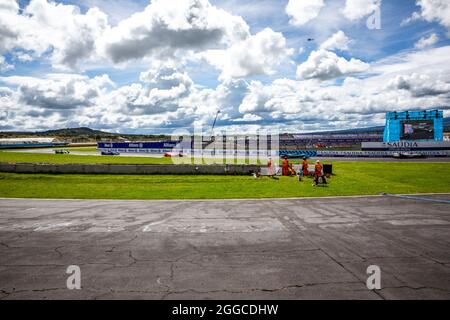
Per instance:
x=271, y=172
x=318, y=173
x=299, y=173
x=305, y=170
x=286, y=166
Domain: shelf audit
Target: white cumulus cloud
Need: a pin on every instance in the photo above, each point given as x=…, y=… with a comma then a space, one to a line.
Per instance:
x=429, y=41
x=303, y=11
x=338, y=41
x=59, y=91
x=163, y=87
x=69, y=37
x=326, y=65
x=257, y=55
x=166, y=26
x=419, y=85
x=48, y=26
x=357, y=9
x=436, y=10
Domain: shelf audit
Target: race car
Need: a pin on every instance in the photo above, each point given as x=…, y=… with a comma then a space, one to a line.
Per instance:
x=408, y=155
x=110, y=153
x=61, y=151
x=174, y=154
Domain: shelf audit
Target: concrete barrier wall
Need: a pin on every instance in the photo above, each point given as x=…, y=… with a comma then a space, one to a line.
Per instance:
x=128, y=169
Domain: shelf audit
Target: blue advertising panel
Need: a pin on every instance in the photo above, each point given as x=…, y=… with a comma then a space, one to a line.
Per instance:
x=137, y=145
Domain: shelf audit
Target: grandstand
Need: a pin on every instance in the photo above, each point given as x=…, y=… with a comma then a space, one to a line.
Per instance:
x=326, y=141
x=19, y=143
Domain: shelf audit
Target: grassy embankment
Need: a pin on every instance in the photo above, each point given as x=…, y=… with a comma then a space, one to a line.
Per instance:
x=351, y=178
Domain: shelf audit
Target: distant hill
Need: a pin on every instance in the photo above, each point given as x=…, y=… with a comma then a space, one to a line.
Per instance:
x=82, y=134
x=59, y=132
x=76, y=132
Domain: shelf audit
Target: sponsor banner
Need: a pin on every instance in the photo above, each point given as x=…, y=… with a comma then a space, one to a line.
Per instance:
x=137, y=145
x=204, y=152
x=378, y=154
x=407, y=145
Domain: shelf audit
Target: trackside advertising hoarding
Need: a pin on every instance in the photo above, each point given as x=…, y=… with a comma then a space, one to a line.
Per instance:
x=406, y=146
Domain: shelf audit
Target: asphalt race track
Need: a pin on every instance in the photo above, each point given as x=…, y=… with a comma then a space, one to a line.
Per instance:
x=161, y=155
x=235, y=249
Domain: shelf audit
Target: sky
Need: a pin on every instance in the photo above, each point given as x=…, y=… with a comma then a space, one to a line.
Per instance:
x=161, y=66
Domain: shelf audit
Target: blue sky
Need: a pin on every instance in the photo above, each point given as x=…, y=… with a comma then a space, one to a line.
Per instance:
x=142, y=66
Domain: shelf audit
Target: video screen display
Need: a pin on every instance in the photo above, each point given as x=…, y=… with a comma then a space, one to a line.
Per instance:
x=417, y=130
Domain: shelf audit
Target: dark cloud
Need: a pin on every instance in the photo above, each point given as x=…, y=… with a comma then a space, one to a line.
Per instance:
x=420, y=85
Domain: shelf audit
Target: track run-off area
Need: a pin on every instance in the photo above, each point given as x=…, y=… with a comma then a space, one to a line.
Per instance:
x=227, y=249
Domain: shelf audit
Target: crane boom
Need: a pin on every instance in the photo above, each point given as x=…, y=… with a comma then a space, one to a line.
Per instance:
x=214, y=123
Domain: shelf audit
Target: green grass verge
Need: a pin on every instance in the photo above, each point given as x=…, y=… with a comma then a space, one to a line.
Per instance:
x=77, y=159
x=351, y=178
